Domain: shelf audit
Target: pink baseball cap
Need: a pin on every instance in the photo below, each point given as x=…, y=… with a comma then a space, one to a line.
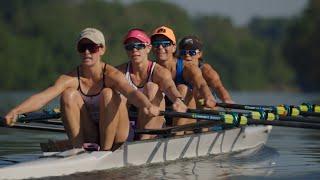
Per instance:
x=137, y=34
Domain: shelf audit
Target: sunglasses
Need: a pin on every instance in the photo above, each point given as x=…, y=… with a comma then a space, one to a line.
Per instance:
x=191, y=52
x=164, y=44
x=137, y=46
x=93, y=48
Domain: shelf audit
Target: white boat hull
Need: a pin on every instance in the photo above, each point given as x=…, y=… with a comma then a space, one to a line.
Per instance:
x=142, y=152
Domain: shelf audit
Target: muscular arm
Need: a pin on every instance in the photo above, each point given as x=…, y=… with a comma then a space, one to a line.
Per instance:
x=213, y=80
x=163, y=78
x=193, y=75
x=116, y=80
x=37, y=101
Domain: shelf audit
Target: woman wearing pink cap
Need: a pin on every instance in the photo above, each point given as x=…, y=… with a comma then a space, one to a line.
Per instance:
x=149, y=78
x=90, y=102
x=187, y=77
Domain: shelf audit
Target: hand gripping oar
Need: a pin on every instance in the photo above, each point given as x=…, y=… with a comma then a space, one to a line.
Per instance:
x=37, y=116
x=38, y=120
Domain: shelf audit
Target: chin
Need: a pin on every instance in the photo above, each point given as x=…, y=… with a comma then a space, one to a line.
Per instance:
x=87, y=63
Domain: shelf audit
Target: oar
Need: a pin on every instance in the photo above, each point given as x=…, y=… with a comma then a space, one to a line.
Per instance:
x=236, y=120
x=284, y=110
x=38, y=119
x=258, y=115
x=174, y=129
x=37, y=116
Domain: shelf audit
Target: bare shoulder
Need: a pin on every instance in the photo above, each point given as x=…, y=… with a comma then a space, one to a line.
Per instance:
x=111, y=71
x=122, y=67
x=191, y=68
x=68, y=80
x=161, y=69
x=207, y=67
x=161, y=72
x=113, y=75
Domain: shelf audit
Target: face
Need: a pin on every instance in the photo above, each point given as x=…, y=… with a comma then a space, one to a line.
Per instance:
x=163, y=48
x=192, y=55
x=90, y=52
x=137, y=51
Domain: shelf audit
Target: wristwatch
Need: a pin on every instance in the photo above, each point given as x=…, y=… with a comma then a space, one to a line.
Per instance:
x=182, y=99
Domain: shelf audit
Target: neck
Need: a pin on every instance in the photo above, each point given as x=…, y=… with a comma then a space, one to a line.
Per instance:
x=167, y=63
x=139, y=67
x=93, y=72
x=171, y=62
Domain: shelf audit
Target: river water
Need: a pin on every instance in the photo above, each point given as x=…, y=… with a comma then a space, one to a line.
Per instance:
x=290, y=153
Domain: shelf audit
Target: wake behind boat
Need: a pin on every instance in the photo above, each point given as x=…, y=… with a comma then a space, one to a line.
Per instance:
x=140, y=153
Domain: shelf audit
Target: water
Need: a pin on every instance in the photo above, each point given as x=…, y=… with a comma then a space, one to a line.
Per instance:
x=290, y=153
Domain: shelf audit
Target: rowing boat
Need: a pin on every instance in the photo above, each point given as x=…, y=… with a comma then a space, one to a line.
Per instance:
x=140, y=153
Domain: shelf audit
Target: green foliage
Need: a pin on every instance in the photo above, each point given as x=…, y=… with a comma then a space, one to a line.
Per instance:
x=38, y=40
x=302, y=46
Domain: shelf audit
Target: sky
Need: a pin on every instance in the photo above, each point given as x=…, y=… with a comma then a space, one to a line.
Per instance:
x=241, y=11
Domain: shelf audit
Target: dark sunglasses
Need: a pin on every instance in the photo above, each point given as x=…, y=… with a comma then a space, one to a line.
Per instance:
x=93, y=48
x=191, y=52
x=164, y=44
x=137, y=46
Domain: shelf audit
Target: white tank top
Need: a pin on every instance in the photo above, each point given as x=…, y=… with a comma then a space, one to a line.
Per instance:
x=151, y=66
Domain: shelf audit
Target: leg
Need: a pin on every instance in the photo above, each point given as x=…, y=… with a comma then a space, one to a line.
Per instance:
x=190, y=102
x=113, y=125
x=77, y=123
x=154, y=94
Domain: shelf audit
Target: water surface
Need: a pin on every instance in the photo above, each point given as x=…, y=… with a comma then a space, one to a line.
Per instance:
x=290, y=153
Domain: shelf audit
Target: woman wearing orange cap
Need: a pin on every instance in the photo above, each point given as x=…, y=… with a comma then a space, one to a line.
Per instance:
x=190, y=49
x=149, y=78
x=90, y=102
x=164, y=47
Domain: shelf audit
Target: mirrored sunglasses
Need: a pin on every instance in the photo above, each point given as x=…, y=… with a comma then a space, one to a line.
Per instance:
x=131, y=46
x=164, y=44
x=93, y=48
x=191, y=52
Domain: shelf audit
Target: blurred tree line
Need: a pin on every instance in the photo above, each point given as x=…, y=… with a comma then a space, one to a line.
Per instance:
x=37, y=41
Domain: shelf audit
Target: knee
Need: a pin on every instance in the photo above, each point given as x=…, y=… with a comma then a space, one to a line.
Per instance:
x=183, y=89
x=151, y=87
x=108, y=96
x=70, y=96
x=150, y=90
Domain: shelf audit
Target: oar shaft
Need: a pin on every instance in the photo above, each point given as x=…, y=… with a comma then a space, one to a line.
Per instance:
x=284, y=124
x=314, y=114
x=246, y=107
x=174, y=129
x=299, y=119
x=192, y=115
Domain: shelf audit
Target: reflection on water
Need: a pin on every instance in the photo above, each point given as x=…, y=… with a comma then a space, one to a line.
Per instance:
x=290, y=153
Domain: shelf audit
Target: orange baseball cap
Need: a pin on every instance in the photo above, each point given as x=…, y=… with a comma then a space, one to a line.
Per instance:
x=163, y=30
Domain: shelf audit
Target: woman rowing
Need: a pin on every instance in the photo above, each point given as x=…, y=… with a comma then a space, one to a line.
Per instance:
x=190, y=50
x=90, y=102
x=187, y=77
x=149, y=78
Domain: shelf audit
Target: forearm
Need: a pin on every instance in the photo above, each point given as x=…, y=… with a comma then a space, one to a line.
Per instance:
x=220, y=90
x=172, y=93
x=138, y=99
x=223, y=94
x=31, y=104
x=205, y=91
